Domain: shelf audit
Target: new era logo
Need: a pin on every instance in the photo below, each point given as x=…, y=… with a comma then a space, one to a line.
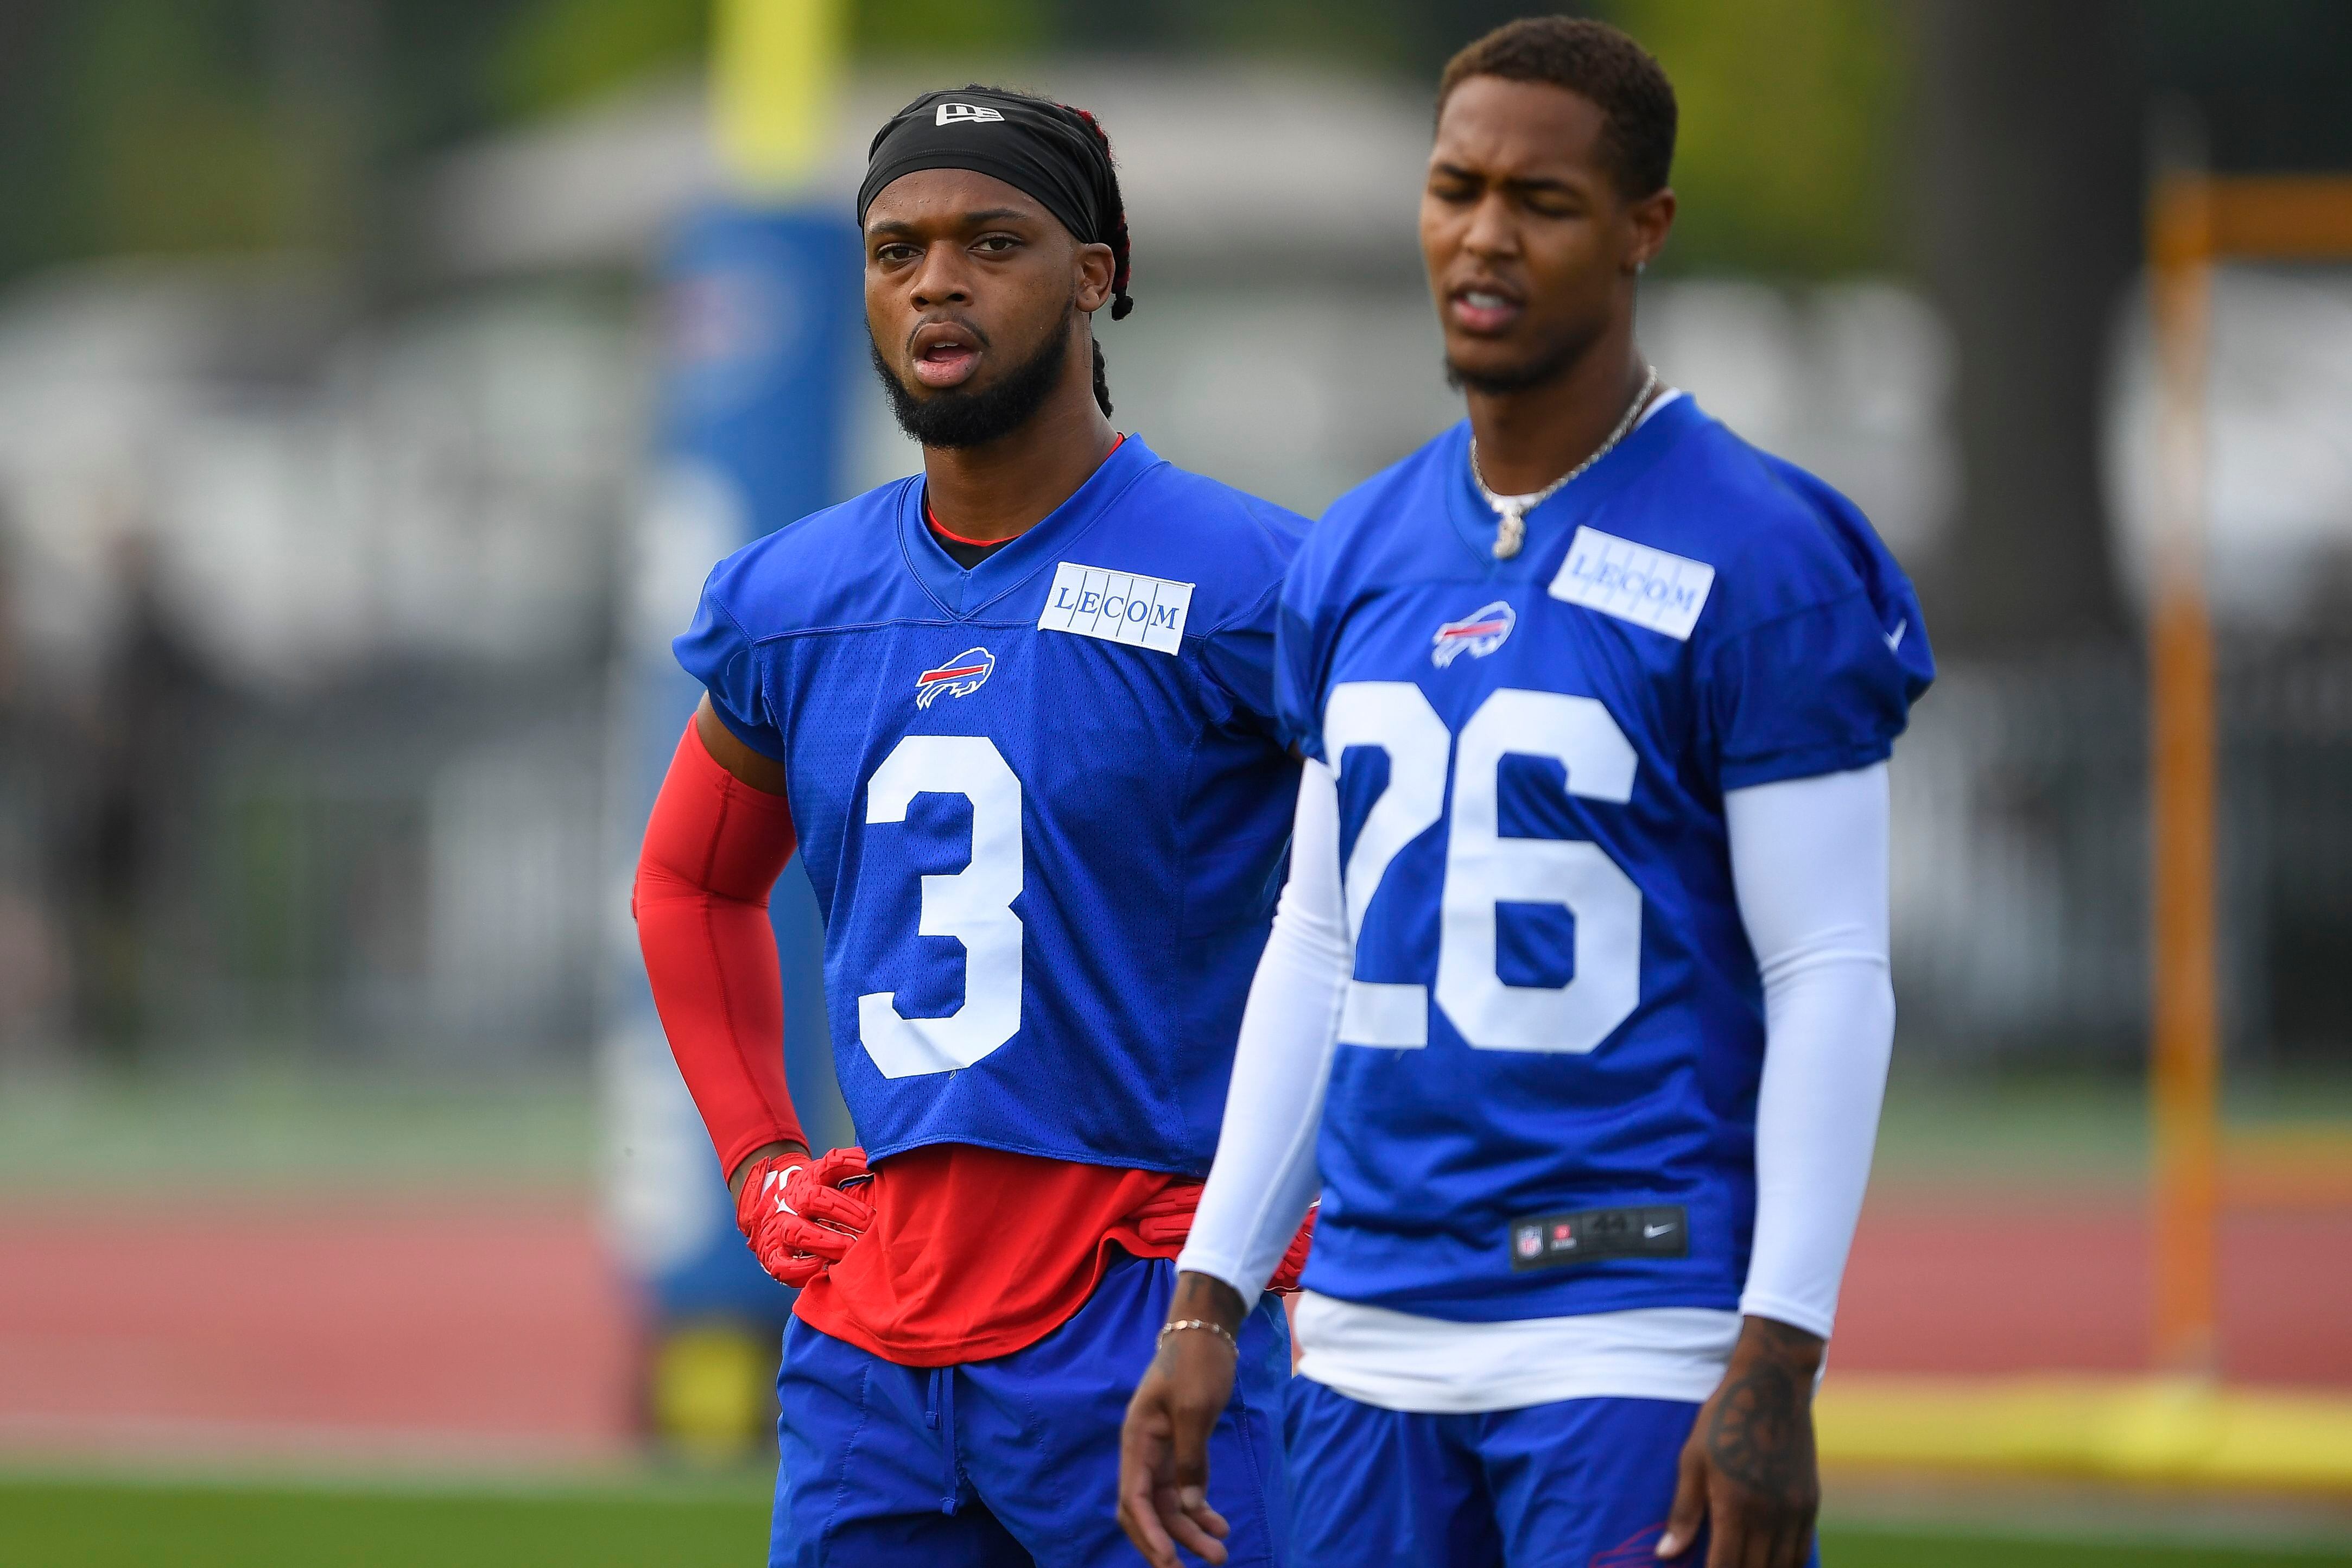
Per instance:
x=965, y=114
x=959, y=677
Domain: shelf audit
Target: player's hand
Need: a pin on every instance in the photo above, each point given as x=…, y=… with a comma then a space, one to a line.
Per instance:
x=1750, y=1465
x=797, y=1217
x=1164, y=1450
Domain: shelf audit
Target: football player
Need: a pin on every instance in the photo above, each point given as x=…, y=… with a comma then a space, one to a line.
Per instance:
x=1016, y=712
x=1577, y=1008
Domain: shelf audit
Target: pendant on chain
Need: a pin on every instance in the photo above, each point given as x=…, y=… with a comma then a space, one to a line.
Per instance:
x=1510, y=513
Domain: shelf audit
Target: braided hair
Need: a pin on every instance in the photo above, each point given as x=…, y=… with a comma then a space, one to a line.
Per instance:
x=1121, y=302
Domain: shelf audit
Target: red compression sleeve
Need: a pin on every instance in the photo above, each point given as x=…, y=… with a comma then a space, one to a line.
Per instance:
x=714, y=848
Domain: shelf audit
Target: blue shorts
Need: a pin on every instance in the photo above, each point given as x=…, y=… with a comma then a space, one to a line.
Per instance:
x=1584, y=1483
x=1005, y=1463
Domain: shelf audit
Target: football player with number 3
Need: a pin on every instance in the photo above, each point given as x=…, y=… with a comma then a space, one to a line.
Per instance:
x=1576, y=1010
x=1017, y=713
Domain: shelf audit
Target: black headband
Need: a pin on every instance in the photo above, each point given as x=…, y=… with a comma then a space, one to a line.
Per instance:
x=1048, y=151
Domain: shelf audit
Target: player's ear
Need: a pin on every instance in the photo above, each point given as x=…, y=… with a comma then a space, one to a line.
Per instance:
x=1652, y=218
x=1094, y=267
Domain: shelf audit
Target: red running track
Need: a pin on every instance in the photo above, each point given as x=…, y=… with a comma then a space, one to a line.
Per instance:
x=1952, y=1282
x=498, y=1322
x=500, y=1325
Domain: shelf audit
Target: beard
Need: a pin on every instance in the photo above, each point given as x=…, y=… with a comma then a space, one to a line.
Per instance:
x=963, y=417
x=1546, y=366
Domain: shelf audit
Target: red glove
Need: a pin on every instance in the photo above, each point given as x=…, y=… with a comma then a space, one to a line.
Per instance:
x=1294, y=1258
x=796, y=1215
x=1167, y=1220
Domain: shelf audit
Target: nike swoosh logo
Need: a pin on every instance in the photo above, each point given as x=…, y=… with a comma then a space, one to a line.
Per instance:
x=1894, y=638
x=1652, y=1232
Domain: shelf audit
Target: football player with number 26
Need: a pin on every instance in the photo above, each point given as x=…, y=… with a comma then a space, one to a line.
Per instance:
x=1576, y=1010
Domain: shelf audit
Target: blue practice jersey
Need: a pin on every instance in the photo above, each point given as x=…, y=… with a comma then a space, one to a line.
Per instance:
x=1043, y=802
x=1544, y=1100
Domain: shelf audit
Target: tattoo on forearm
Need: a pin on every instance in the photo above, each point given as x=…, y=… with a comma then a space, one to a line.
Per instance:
x=1761, y=1434
x=1753, y=1437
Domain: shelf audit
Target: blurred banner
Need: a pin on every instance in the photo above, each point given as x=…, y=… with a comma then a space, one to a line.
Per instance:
x=758, y=311
x=759, y=308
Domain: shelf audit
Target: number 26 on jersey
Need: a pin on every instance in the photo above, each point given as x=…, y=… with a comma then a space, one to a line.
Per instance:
x=1485, y=869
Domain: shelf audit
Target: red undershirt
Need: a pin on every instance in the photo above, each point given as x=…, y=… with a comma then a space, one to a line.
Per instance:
x=975, y=1253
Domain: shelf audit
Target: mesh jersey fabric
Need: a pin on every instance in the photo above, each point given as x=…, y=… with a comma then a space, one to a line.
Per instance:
x=1040, y=928
x=1554, y=1009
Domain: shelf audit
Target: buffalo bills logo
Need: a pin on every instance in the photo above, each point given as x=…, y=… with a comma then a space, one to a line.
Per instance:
x=1477, y=634
x=959, y=677
x=1639, y=1550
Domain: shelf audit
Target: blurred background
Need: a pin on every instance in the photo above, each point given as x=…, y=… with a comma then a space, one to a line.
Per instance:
x=377, y=382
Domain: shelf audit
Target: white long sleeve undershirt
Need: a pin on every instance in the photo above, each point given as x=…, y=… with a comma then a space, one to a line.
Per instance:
x=1809, y=863
x=1264, y=1175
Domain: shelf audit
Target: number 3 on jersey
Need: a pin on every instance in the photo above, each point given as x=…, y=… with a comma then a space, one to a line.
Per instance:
x=1483, y=869
x=974, y=905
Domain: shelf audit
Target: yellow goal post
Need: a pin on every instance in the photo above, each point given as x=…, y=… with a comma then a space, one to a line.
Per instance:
x=2197, y=220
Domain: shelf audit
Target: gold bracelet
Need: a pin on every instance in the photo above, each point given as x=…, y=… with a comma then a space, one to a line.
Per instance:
x=1218, y=1329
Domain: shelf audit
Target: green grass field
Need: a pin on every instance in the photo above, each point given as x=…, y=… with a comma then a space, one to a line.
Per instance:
x=98, y=1523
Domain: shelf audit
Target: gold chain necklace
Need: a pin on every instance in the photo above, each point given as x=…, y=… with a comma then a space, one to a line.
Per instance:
x=1510, y=511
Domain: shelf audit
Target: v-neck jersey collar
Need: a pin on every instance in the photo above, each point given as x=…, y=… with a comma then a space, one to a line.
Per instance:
x=967, y=593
